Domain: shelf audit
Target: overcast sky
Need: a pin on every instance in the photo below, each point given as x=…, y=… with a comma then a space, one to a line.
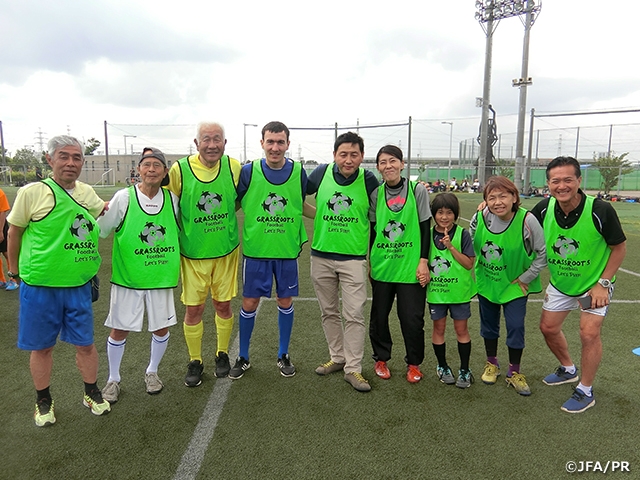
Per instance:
x=69, y=66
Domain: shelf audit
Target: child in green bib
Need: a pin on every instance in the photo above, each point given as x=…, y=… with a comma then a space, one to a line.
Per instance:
x=451, y=259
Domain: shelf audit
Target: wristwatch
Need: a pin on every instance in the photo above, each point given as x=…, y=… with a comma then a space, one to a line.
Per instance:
x=13, y=275
x=605, y=282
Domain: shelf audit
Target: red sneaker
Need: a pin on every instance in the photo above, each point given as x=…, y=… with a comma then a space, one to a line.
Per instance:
x=382, y=370
x=414, y=375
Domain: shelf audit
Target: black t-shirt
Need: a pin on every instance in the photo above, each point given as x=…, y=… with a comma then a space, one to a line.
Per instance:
x=604, y=216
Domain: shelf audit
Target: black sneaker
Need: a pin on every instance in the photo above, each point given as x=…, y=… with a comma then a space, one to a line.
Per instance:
x=222, y=365
x=287, y=369
x=239, y=368
x=194, y=373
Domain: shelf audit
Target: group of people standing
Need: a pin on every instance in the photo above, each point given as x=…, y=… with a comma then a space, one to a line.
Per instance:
x=180, y=223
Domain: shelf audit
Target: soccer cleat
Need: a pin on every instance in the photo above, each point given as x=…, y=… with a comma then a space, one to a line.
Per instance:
x=222, y=365
x=111, y=391
x=445, y=375
x=11, y=285
x=287, y=369
x=465, y=379
x=578, y=402
x=414, y=375
x=95, y=403
x=194, y=373
x=491, y=373
x=44, y=415
x=357, y=381
x=561, y=376
x=153, y=383
x=329, y=367
x=241, y=366
x=519, y=383
x=382, y=370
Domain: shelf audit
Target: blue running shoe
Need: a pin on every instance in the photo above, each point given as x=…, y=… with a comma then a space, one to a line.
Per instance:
x=561, y=376
x=11, y=285
x=3, y=285
x=578, y=402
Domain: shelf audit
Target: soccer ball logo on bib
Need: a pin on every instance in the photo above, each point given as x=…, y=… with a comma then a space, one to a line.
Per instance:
x=208, y=202
x=439, y=265
x=565, y=247
x=81, y=227
x=491, y=252
x=339, y=203
x=274, y=204
x=152, y=233
x=394, y=230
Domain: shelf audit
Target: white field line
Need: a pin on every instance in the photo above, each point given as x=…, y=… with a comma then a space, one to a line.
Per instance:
x=192, y=458
x=194, y=455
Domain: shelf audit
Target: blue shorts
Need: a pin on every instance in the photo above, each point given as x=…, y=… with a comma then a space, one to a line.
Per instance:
x=46, y=312
x=457, y=311
x=258, y=275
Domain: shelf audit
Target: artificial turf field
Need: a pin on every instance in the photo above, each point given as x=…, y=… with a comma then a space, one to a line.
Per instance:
x=267, y=426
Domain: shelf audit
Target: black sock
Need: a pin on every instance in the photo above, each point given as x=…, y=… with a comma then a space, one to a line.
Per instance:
x=44, y=394
x=441, y=354
x=491, y=347
x=515, y=355
x=90, y=387
x=464, y=350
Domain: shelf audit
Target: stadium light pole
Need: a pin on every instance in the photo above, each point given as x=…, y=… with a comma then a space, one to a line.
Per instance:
x=489, y=13
x=532, y=11
x=245, y=125
x=450, y=146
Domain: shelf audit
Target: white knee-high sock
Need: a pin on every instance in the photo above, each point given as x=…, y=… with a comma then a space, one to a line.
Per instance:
x=158, y=347
x=115, y=351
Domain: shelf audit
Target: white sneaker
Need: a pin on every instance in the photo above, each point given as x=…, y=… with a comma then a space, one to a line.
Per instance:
x=153, y=383
x=111, y=391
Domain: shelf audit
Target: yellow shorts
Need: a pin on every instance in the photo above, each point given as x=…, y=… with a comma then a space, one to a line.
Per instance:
x=217, y=275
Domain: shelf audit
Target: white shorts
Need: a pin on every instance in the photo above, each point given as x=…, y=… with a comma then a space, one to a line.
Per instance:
x=556, y=301
x=127, y=309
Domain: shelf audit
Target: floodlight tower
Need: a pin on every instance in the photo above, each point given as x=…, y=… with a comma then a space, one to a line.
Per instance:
x=489, y=14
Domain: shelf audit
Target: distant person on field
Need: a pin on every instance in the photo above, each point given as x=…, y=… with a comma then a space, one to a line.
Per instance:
x=11, y=284
x=206, y=185
x=339, y=253
x=53, y=248
x=510, y=253
x=451, y=287
x=399, y=257
x=272, y=192
x=145, y=267
x=585, y=248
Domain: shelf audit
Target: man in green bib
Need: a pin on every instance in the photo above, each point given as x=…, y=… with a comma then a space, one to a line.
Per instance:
x=585, y=248
x=53, y=249
x=339, y=252
x=206, y=185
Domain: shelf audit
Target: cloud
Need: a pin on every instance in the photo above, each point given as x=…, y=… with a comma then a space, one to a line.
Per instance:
x=63, y=36
x=450, y=53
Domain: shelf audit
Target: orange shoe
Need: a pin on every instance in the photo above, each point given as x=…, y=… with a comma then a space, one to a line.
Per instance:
x=382, y=370
x=414, y=375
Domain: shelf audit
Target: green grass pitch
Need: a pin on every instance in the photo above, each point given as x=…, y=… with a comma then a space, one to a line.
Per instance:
x=312, y=427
